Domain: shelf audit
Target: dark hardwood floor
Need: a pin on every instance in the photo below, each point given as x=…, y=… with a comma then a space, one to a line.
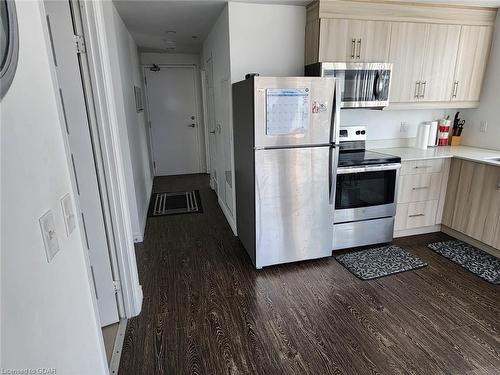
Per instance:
x=206, y=309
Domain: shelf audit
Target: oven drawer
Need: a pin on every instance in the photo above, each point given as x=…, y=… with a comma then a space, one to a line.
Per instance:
x=362, y=233
x=416, y=215
x=421, y=166
x=419, y=187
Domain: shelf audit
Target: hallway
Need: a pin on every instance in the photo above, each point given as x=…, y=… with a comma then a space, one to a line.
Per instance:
x=206, y=310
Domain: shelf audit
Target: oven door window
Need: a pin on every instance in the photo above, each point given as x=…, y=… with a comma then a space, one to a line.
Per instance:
x=365, y=189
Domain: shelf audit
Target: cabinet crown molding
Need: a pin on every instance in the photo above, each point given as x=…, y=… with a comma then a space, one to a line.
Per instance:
x=397, y=11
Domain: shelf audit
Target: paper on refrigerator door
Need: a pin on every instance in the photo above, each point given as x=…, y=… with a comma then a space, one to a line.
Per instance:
x=287, y=111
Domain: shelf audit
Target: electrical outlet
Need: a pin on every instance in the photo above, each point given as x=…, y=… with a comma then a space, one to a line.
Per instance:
x=68, y=214
x=483, y=125
x=48, y=227
x=404, y=127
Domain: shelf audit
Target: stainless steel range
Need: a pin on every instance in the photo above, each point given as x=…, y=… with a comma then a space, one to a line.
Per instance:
x=365, y=199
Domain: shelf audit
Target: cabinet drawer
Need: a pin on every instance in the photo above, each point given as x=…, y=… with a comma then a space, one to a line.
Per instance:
x=419, y=187
x=421, y=166
x=415, y=215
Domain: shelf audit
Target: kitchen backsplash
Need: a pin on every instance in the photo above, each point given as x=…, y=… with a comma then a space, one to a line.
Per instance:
x=385, y=129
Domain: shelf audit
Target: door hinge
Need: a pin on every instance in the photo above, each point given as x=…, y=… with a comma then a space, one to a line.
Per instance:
x=117, y=285
x=79, y=43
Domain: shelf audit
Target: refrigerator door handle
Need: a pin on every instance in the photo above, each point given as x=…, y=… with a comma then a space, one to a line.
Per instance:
x=335, y=131
x=332, y=174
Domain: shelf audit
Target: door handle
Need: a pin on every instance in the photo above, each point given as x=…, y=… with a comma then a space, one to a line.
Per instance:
x=358, y=55
x=353, y=48
x=212, y=132
x=192, y=125
x=417, y=89
x=423, y=89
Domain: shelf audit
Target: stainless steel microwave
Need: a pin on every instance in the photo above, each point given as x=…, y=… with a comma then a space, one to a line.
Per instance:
x=363, y=85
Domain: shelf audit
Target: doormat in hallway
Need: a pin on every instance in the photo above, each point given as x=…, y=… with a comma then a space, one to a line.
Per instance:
x=182, y=202
x=475, y=260
x=379, y=262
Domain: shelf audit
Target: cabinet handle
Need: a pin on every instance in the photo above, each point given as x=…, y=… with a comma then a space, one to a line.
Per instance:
x=417, y=89
x=416, y=215
x=358, y=55
x=455, y=89
x=423, y=166
x=420, y=187
x=423, y=89
x=353, y=48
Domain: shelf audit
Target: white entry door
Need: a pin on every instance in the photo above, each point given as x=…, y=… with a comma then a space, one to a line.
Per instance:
x=171, y=97
x=81, y=144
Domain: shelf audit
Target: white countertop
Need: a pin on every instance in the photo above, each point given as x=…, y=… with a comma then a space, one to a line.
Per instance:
x=480, y=155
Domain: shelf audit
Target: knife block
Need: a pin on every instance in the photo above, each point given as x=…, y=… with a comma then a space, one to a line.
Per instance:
x=455, y=140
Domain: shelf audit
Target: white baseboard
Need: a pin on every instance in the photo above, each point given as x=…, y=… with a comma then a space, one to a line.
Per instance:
x=462, y=237
x=415, y=231
x=139, y=236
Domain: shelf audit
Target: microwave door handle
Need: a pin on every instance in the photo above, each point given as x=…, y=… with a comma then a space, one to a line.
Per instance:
x=377, y=85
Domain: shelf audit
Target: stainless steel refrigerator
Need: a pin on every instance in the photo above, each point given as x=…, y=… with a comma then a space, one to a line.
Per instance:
x=285, y=149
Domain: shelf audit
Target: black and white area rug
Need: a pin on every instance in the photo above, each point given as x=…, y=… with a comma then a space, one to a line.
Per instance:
x=182, y=202
x=379, y=262
x=475, y=260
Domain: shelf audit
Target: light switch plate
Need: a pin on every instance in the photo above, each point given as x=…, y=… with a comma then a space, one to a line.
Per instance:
x=48, y=228
x=68, y=214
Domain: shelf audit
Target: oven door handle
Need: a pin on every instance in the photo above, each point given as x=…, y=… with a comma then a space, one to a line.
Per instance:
x=369, y=168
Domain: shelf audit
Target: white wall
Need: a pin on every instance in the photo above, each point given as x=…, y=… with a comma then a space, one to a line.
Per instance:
x=266, y=39
x=489, y=109
x=149, y=58
x=134, y=132
x=384, y=127
x=48, y=314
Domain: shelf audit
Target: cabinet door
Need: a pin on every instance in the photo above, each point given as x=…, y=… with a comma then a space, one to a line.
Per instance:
x=333, y=45
x=354, y=40
x=407, y=55
x=439, y=62
x=372, y=41
x=473, y=52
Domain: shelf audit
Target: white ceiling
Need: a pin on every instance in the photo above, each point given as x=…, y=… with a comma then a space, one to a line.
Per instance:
x=149, y=20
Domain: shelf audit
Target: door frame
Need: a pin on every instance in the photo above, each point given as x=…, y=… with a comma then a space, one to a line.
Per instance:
x=206, y=103
x=200, y=132
x=99, y=83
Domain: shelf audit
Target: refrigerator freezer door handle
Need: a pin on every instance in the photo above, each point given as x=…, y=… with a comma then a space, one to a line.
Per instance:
x=336, y=115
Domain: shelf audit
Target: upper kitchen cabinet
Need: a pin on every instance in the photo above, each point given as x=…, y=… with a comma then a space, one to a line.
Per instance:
x=423, y=57
x=473, y=52
x=407, y=55
x=353, y=41
x=439, y=52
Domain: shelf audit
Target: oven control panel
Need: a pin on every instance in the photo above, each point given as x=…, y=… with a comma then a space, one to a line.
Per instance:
x=353, y=133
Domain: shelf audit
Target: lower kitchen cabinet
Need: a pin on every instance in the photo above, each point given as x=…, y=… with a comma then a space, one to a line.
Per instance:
x=421, y=196
x=473, y=201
